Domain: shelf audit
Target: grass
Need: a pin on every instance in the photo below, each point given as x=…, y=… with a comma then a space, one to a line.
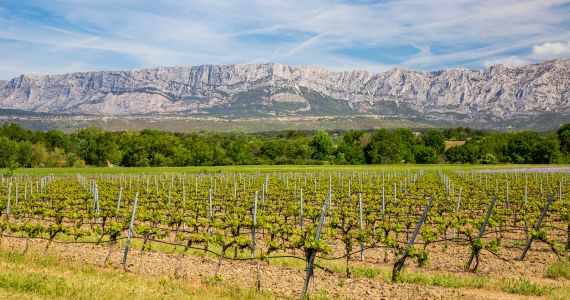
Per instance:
x=446, y=280
x=49, y=277
x=561, y=294
x=368, y=272
x=252, y=168
x=519, y=286
x=33, y=277
x=559, y=269
x=525, y=287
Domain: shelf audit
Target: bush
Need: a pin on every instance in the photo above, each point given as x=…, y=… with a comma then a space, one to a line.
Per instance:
x=488, y=159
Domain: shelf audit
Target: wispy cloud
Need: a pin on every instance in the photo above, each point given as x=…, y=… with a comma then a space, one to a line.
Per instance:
x=68, y=35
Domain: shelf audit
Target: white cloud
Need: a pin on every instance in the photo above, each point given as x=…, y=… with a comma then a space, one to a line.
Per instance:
x=511, y=61
x=551, y=50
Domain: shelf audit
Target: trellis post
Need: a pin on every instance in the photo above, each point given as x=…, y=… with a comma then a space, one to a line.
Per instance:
x=537, y=226
x=313, y=253
x=130, y=232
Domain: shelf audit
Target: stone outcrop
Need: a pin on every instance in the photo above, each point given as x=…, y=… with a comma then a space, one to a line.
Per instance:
x=497, y=93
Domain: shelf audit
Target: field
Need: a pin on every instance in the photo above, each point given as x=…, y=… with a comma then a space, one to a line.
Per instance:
x=405, y=232
x=211, y=123
x=262, y=169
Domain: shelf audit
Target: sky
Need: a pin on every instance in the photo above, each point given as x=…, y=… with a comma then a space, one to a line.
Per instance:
x=61, y=36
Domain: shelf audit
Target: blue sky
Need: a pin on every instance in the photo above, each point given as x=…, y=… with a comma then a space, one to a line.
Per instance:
x=59, y=36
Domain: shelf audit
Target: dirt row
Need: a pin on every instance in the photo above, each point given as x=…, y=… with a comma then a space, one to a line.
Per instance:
x=287, y=282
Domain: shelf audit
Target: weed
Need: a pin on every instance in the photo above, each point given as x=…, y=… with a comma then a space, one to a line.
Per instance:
x=525, y=287
x=559, y=269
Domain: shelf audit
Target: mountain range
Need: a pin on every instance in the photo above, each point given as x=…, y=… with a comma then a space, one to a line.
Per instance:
x=455, y=96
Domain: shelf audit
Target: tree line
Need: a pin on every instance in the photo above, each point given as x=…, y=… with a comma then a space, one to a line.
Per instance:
x=21, y=147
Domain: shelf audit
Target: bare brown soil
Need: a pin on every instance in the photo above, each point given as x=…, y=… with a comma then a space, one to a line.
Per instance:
x=453, y=258
x=286, y=282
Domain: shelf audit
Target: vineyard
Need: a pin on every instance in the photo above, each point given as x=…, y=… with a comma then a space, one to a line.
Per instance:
x=452, y=220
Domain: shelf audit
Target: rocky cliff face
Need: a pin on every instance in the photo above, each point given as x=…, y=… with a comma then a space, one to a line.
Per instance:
x=496, y=93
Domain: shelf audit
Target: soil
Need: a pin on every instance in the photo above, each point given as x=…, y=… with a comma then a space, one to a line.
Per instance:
x=287, y=282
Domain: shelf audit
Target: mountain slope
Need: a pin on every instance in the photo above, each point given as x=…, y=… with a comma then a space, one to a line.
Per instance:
x=498, y=93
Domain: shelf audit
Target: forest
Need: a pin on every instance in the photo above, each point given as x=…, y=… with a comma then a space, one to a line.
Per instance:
x=24, y=148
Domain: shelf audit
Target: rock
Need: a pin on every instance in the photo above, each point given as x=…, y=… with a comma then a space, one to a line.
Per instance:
x=496, y=93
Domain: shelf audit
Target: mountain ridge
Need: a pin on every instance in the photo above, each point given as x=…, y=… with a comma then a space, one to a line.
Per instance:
x=497, y=93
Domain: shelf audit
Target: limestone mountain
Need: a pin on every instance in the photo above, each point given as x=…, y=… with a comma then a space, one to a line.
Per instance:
x=498, y=93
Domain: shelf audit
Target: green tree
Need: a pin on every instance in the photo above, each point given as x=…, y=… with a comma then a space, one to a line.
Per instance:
x=564, y=138
x=407, y=137
x=351, y=148
x=56, y=138
x=240, y=153
x=8, y=152
x=56, y=158
x=385, y=147
x=298, y=151
x=425, y=155
x=467, y=153
x=546, y=151
x=15, y=132
x=494, y=144
x=219, y=157
x=434, y=139
x=520, y=147
x=24, y=155
x=201, y=152
x=159, y=160
x=39, y=155
x=272, y=149
x=135, y=150
x=182, y=157
x=322, y=145
x=98, y=148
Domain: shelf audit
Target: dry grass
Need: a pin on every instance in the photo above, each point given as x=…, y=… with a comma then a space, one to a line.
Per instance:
x=450, y=144
x=33, y=277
